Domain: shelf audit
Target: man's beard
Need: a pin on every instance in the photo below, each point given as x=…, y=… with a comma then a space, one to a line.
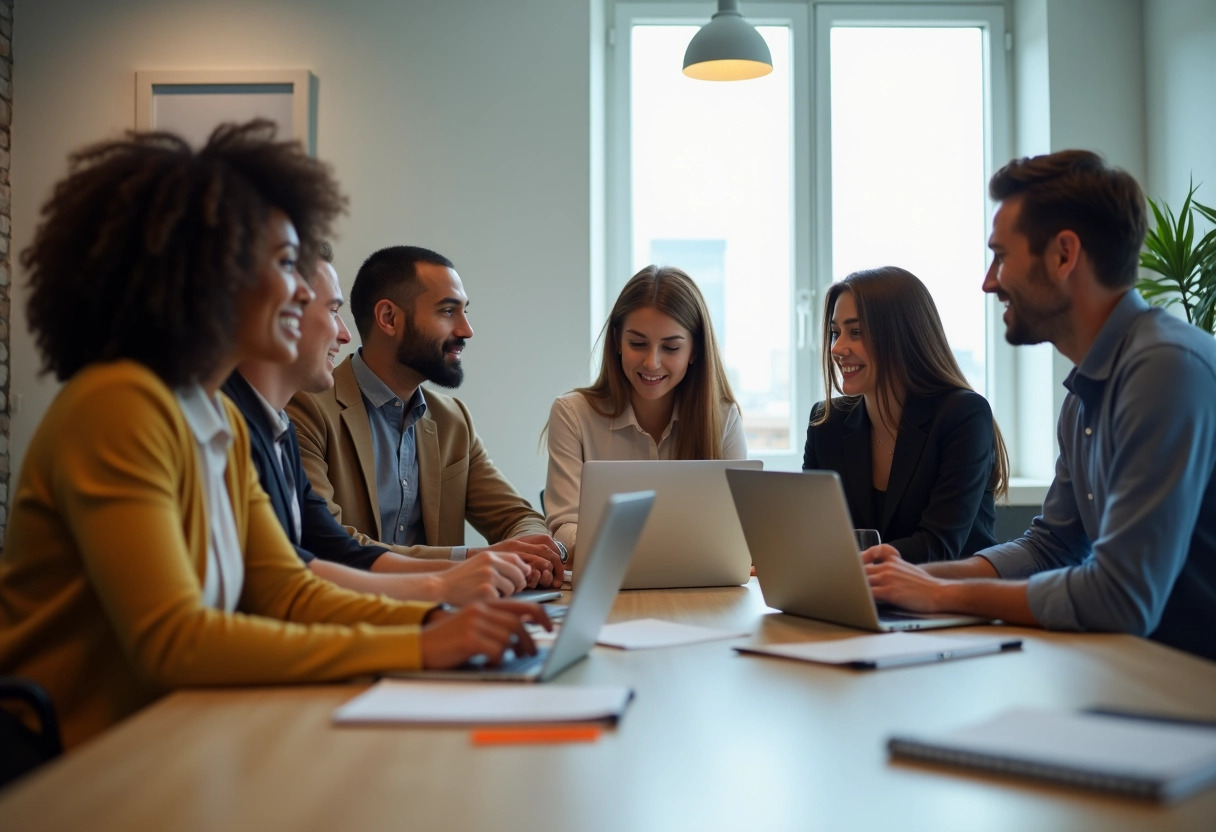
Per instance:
x=1039, y=320
x=427, y=357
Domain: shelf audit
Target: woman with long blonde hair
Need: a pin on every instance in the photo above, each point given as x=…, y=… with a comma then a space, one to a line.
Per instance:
x=661, y=393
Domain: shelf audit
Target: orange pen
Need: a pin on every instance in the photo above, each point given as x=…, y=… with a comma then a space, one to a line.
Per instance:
x=525, y=735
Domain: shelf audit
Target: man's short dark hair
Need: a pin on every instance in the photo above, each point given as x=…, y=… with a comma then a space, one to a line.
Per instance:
x=1076, y=190
x=390, y=273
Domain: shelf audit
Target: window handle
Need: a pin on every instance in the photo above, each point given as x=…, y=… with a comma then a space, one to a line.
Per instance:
x=802, y=307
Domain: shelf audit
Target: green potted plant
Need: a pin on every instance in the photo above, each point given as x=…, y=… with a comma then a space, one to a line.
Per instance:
x=1187, y=267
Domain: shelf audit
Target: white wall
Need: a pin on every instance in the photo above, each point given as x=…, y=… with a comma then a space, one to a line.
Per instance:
x=1180, y=97
x=1079, y=68
x=1096, y=67
x=462, y=125
x=475, y=127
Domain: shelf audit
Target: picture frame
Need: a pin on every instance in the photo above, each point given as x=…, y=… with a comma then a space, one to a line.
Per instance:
x=192, y=102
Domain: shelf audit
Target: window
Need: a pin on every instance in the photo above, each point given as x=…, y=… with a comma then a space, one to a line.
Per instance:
x=908, y=178
x=876, y=153
x=729, y=224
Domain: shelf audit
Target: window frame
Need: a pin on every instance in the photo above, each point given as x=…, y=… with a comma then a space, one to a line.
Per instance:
x=810, y=29
x=619, y=187
x=1001, y=361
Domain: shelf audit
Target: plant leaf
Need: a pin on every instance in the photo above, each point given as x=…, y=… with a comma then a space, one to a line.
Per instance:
x=1186, y=265
x=1206, y=211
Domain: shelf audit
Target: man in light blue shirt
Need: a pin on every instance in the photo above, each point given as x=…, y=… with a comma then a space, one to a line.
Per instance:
x=1127, y=538
x=395, y=446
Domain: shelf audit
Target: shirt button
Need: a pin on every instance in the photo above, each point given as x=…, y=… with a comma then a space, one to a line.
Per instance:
x=396, y=402
x=405, y=483
x=401, y=528
x=1091, y=497
x=1089, y=431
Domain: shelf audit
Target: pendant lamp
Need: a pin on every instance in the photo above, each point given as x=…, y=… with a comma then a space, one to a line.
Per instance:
x=727, y=48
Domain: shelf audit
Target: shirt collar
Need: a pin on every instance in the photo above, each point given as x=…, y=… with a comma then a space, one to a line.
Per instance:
x=377, y=393
x=205, y=416
x=1100, y=360
x=1095, y=368
x=629, y=418
x=276, y=419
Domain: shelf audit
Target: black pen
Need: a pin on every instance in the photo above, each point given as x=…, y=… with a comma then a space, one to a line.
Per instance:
x=930, y=657
x=1145, y=716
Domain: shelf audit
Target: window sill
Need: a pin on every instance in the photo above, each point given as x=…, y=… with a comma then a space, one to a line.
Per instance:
x=1024, y=491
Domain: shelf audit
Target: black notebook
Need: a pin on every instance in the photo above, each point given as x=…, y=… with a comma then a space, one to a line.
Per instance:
x=1138, y=755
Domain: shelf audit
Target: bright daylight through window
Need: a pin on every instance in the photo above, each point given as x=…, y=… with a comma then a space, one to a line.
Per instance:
x=908, y=169
x=711, y=184
x=890, y=133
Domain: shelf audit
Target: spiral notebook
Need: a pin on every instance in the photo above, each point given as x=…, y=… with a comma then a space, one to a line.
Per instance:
x=1139, y=755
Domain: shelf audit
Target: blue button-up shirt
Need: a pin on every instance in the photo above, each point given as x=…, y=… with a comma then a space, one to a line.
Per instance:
x=1127, y=538
x=396, y=451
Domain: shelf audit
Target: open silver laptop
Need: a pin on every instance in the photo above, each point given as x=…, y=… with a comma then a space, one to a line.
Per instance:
x=693, y=537
x=610, y=550
x=800, y=535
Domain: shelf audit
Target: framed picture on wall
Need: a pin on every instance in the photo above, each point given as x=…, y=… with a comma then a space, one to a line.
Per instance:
x=191, y=103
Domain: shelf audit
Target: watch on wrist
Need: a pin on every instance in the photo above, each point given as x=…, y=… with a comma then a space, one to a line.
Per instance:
x=440, y=607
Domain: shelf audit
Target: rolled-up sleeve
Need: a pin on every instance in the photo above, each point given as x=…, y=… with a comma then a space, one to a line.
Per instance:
x=1057, y=537
x=1156, y=457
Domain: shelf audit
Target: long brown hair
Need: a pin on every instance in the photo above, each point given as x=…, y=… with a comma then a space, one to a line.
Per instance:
x=904, y=337
x=704, y=388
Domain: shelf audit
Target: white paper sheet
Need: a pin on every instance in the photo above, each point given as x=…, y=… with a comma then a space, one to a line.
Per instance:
x=885, y=650
x=482, y=703
x=645, y=633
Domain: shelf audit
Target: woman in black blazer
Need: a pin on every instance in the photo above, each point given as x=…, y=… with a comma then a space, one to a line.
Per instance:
x=917, y=450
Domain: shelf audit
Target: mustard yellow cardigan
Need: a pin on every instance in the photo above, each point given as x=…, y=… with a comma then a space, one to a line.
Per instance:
x=102, y=573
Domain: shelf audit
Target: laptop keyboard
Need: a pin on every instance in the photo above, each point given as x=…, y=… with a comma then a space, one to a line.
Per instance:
x=886, y=612
x=522, y=664
x=510, y=663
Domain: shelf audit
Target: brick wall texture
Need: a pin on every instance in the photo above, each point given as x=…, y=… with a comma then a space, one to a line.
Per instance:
x=6, y=258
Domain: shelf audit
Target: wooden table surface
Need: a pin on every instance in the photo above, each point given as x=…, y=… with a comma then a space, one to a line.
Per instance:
x=713, y=740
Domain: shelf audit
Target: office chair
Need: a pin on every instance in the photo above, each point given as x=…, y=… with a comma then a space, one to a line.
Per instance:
x=23, y=749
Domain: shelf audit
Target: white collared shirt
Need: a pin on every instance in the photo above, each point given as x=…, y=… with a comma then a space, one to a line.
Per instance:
x=225, y=572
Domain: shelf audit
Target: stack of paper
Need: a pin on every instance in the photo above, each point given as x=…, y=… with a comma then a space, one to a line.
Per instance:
x=645, y=633
x=482, y=703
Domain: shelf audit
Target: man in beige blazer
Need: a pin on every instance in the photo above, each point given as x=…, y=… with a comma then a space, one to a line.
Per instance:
x=399, y=464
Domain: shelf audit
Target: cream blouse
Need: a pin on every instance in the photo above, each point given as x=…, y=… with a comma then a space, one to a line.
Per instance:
x=578, y=433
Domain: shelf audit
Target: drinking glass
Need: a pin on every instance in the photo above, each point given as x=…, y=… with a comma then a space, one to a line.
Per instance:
x=866, y=538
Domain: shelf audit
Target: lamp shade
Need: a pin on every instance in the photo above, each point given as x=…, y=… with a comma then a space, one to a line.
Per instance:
x=727, y=48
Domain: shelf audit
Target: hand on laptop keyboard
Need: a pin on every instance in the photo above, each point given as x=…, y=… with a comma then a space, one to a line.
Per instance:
x=489, y=629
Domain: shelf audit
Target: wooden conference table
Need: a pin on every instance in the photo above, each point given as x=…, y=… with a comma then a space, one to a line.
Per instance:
x=713, y=740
